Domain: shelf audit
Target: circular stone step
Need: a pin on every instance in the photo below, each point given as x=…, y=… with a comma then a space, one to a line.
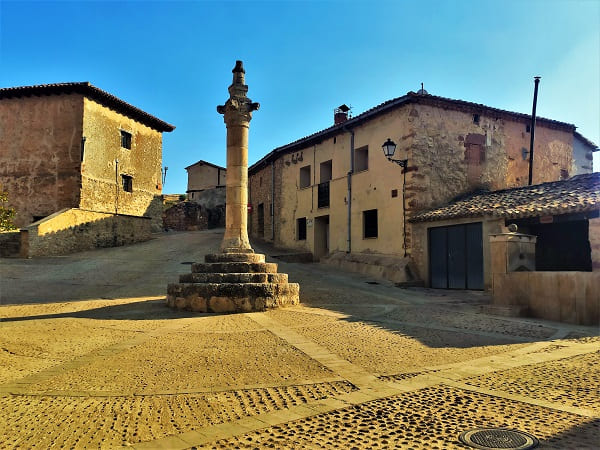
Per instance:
x=233, y=278
x=234, y=257
x=232, y=297
x=235, y=267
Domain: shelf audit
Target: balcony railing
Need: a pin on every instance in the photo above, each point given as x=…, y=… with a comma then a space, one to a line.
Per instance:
x=323, y=195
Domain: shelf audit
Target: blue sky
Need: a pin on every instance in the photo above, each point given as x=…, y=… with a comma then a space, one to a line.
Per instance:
x=304, y=58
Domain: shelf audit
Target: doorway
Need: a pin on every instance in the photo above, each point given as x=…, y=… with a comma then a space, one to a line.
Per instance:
x=456, y=256
x=321, y=230
x=261, y=220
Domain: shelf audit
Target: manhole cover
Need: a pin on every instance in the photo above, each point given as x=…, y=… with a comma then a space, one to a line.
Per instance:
x=498, y=438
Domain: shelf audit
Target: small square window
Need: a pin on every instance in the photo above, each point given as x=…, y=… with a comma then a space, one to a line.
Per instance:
x=361, y=159
x=127, y=182
x=304, y=177
x=370, y=223
x=125, y=139
x=476, y=118
x=528, y=128
x=394, y=193
x=301, y=229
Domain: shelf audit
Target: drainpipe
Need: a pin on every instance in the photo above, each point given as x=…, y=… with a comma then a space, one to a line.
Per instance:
x=349, y=239
x=535, y=93
x=116, y=186
x=273, y=201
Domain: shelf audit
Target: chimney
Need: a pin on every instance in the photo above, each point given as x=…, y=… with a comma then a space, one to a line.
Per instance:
x=340, y=114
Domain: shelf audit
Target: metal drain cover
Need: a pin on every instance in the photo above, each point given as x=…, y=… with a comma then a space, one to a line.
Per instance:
x=498, y=438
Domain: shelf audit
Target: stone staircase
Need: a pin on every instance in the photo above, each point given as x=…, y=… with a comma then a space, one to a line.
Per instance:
x=233, y=282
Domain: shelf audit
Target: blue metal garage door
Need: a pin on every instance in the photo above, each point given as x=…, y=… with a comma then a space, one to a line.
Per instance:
x=456, y=256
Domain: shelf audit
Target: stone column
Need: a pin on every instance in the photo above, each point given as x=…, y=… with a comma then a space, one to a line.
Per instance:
x=237, y=113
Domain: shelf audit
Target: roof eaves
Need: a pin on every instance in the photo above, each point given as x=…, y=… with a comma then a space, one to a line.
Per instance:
x=586, y=141
x=86, y=89
x=205, y=163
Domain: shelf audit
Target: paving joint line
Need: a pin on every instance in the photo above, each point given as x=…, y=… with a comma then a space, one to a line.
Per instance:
x=369, y=388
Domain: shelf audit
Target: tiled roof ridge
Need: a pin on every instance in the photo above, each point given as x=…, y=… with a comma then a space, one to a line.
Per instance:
x=579, y=193
x=409, y=97
x=206, y=163
x=89, y=90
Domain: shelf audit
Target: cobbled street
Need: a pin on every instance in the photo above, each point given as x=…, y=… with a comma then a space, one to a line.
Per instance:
x=90, y=357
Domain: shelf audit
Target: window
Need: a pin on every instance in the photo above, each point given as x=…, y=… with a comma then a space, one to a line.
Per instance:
x=304, y=176
x=564, y=174
x=476, y=118
x=394, y=192
x=301, y=229
x=361, y=159
x=127, y=183
x=370, y=223
x=125, y=139
x=528, y=128
x=325, y=171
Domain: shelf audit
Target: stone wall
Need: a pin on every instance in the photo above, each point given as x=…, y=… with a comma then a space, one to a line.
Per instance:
x=185, y=216
x=454, y=155
x=40, y=154
x=260, y=187
x=102, y=187
x=10, y=243
x=73, y=230
x=571, y=297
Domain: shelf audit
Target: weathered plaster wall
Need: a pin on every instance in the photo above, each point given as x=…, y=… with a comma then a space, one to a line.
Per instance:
x=571, y=297
x=583, y=157
x=420, y=249
x=553, y=151
x=40, y=142
x=371, y=189
x=448, y=155
x=202, y=177
x=102, y=188
x=74, y=230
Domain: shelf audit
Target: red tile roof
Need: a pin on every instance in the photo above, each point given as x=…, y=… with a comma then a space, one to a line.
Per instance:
x=410, y=97
x=580, y=193
x=88, y=90
x=205, y=163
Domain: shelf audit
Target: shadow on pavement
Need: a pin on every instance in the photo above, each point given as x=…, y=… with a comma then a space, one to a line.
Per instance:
x=142, y=310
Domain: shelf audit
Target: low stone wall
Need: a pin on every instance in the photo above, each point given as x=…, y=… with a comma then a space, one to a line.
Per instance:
x=571, y=297
x=398, y=270
x=73, y=230
x=10, y=243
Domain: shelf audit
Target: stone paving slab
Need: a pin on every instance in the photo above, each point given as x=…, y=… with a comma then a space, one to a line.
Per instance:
x=431, y=418
x=358, y=365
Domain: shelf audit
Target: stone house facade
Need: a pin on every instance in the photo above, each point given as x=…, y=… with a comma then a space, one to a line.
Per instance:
x=335, y=194
x=202, y=176
x=72, y=145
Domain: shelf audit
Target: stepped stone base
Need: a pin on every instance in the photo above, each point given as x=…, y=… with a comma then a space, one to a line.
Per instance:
x=233, y=282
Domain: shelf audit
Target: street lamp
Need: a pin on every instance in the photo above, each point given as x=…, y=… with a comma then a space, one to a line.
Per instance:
x=389, y=148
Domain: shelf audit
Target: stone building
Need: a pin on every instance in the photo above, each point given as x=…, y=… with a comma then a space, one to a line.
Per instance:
x=202, y=176
x=73, y=146
x=334, y=193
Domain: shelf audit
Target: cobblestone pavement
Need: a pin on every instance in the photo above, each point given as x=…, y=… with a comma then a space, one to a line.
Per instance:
x=98, y=361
